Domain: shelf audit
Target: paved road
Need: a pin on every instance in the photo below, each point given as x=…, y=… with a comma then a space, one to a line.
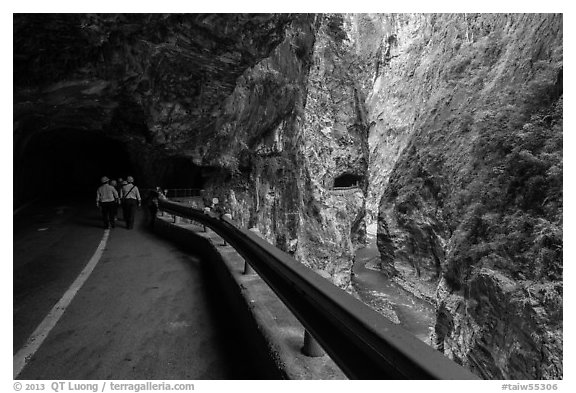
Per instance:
x=145, y=312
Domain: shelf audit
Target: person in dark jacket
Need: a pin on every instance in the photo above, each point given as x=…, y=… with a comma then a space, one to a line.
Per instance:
x=115, y=206
x=154, y=197
x=118, y=187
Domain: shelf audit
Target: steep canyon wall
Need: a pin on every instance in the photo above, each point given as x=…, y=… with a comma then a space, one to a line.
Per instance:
x=317, y=133
x=466, y=158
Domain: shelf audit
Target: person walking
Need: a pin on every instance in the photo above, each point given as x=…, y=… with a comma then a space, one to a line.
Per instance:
x=130, y=199
x=115, y=206
x=154, y=196
x=106, y=200
x=118, y=186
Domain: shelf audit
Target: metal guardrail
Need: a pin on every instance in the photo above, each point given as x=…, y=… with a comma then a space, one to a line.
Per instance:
x=354, y=187
x=344, y=190
x=363, y=343
x=182, y=192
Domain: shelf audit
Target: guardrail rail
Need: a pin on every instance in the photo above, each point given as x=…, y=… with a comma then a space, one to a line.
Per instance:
x=183, y=192
x=363, y=343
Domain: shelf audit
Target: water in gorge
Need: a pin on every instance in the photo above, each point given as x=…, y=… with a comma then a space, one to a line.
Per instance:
x=386, y=296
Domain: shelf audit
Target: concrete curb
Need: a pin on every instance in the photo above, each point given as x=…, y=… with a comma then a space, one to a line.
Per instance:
x=274, y=335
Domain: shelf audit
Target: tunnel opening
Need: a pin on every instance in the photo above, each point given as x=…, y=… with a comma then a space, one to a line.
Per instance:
x=347, y=180
x=68, y=164
x=182, y=173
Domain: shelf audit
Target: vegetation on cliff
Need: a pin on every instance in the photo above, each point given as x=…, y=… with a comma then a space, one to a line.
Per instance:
x=476, y=193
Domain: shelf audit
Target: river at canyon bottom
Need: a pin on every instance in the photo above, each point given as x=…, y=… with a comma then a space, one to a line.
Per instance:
x=387, y=297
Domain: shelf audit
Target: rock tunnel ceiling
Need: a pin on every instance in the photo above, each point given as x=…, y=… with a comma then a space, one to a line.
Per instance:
x=450, y=125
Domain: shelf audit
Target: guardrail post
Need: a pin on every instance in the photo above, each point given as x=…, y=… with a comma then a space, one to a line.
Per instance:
x=206, y=211
x=247, y=268
x=311, y=347
x=229, y=217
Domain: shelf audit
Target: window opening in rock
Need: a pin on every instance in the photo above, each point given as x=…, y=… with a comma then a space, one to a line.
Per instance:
x=347, y=180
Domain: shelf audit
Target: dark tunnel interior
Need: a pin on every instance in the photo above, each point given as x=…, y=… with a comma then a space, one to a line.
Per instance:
x=347, y=180
x=181, y=172
x=66, y=163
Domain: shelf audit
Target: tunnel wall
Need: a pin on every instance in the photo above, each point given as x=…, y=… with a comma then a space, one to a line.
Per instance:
x=272, y=335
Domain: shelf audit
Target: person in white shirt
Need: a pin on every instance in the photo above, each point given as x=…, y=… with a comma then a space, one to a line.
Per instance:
x=106, y=200
x=130, y=199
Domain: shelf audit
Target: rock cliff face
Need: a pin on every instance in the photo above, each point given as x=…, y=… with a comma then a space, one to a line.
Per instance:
x=446, y=129
x=335, y=151
x=226, y=103
x=466, y=149
x=155, y=83
x=302, y=179
x=256, y=144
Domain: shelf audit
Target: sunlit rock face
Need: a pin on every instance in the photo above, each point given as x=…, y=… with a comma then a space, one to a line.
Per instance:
x=262, y=180
x=335, y=152
x=298, y=126
x=466, y=153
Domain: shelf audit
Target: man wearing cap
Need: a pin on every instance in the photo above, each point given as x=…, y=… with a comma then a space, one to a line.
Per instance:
x=106, y=200
x=130, y=198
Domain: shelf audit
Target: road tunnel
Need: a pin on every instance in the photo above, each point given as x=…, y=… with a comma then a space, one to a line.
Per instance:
x=347, y=180
x=181, y=173
x=67, y=163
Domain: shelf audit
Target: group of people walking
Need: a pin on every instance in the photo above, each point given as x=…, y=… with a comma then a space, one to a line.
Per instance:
x=111, y=194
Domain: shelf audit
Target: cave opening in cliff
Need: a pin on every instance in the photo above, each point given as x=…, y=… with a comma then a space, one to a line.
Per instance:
x=68, y=163
x=182, y=173
x=347, y=180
